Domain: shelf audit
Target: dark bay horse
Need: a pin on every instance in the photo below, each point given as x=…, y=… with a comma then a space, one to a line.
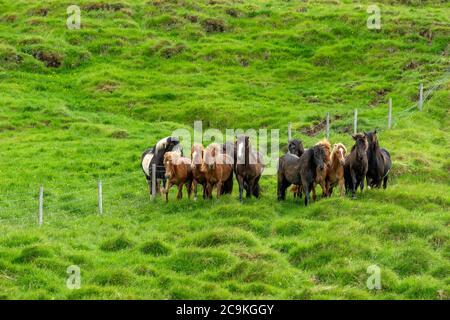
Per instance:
x=288, y=169
x=379, y=161
x=248, y=168
x=356, y=164
x=311, y=162
x=288, y=173
x=155, y=155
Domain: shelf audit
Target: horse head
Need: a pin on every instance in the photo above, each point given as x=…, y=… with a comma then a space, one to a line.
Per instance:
x=171, y=159
x=325, y=144
x=210, y=155
x=361, y=144
x=296, y=147
x=339, y=152
x=243, y=148
x=197, y=154
x=372, y=139
x=319, y=156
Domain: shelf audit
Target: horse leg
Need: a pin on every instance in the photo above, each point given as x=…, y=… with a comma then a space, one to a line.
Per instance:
x=205, y=193
x=342, y=187
x=354, y=186
x=149, y=182
x=361, y=184
x=256, y=187
x=189, y=188
x=281, y=187
x=250, y=189
x=209, y=188
x=219, y=189
x=180, y=191
x=385, y=181
x=194, y=187
x=313, y=189
x=166, y=190
x=241, y=188
x=324, y=189
x=306, y=189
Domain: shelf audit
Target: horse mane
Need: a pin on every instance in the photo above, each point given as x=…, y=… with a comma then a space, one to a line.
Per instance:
x=161, y=144
x=327, y=147
x=172, y=156
x=178, y=148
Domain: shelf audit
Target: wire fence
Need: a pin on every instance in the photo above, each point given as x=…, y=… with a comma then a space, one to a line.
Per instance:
x=62, y=203
x=342, y=124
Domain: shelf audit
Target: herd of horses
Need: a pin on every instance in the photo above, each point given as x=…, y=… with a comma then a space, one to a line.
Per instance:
x=216, y=165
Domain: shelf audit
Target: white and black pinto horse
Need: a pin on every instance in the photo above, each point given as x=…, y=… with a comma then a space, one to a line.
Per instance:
x=155, y=155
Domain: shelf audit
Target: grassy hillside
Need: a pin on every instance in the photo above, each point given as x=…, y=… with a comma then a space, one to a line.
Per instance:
x=81, y=105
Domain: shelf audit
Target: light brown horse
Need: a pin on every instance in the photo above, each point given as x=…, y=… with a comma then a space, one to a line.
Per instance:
x=217, y=167
x=335, y=174
x=199, y=176
x=321, y=174
x=178, y=172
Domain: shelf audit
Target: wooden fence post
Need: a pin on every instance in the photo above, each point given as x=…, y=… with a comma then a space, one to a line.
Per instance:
x=390, y=114
x=328, y=126
x=420, y=96
x=355, y=122
x=289, y=131
x=100, y=197
x=153, y=181
x=41, y=206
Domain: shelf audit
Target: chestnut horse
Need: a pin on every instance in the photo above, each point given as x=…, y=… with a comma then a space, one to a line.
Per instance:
x=178, y=172
x=198, y=175
x=217, y=167
x=335, y=174
x=321, y=174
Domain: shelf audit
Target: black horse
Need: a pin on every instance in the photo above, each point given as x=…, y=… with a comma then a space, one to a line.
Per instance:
x=311, y=161
x=356, y=164
x=248, y=168
x=155, y=156
x=379, y=161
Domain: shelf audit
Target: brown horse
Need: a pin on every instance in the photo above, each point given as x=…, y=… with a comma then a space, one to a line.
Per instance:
x=322, y=172
x=217, y=167
x=335, y=174
x=248, y=168
x=198, y=175
x=178, y=172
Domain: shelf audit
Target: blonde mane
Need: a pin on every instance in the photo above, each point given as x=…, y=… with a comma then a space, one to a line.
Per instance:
x=327, y=146
x=336, y=147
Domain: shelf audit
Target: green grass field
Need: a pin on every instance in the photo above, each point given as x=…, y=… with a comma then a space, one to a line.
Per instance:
x=82, y=105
